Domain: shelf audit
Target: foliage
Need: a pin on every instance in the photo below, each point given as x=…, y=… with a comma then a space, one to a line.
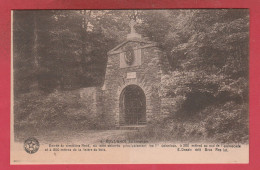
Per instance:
x=225, y=124
x=64, y=50
x=208, y=84
x=57, y=110
x=206, y=49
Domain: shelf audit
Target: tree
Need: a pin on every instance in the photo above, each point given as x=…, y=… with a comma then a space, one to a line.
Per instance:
x=68, y=47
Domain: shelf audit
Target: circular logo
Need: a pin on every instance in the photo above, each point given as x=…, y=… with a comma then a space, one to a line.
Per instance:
x=31, y=145
x=129, y=56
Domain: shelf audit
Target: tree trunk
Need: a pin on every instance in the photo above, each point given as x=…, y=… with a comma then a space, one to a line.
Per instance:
x=85, y=22
x=35, y=53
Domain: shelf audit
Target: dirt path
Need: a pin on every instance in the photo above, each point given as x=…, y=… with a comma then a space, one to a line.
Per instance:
x=88, y=136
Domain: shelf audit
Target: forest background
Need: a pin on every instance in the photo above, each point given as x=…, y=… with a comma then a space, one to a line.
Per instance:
x=59, y=51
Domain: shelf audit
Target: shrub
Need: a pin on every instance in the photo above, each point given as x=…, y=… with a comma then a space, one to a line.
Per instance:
x=227, y=124
x=57, y=110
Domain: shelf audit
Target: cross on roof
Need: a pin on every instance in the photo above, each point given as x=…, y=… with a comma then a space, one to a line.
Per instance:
x=132, y=24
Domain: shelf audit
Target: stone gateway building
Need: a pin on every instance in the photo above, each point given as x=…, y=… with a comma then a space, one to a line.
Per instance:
x=130, y=95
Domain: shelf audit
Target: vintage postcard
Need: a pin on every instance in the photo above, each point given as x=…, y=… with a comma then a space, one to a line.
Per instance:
x=130, y=86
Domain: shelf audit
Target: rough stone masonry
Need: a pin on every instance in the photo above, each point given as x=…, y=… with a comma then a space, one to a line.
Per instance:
x=130, y=95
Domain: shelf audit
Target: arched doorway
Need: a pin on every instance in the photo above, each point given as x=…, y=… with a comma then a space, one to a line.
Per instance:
x=132, y=106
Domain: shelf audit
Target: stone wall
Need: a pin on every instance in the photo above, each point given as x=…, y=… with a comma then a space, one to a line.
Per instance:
x=148, y=77
x=88, y=96
x=105, y=101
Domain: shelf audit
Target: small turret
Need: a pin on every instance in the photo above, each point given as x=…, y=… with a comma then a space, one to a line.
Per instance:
x=133, y=34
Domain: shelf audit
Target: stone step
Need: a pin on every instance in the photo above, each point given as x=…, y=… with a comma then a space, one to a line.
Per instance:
x=131, y=127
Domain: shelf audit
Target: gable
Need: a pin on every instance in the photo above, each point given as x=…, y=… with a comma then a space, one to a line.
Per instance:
x=135, y=44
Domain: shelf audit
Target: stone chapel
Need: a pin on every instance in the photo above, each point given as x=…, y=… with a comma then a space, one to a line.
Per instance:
x=131, y=91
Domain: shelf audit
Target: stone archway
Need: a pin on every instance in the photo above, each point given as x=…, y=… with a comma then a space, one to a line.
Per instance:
x=132, y=106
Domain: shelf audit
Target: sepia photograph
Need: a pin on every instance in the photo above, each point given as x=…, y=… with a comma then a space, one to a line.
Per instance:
x=130, y=82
